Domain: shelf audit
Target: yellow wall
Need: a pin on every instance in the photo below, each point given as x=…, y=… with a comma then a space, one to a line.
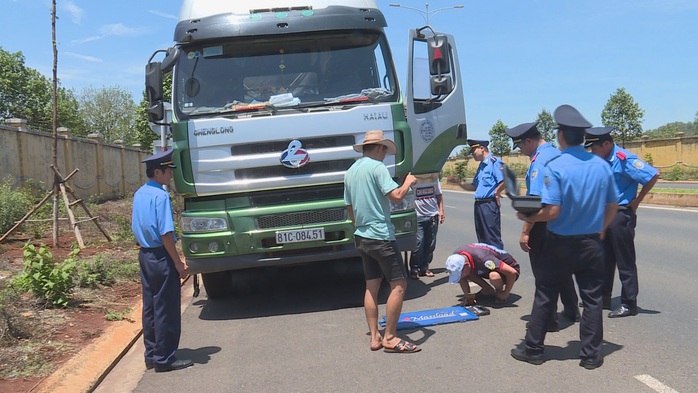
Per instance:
x=665, y=153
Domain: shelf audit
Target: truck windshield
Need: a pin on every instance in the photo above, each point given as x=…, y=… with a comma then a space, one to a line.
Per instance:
x=284, y=71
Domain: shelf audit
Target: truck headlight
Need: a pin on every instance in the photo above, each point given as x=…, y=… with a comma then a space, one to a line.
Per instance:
x=203, y=224
x=406, y=204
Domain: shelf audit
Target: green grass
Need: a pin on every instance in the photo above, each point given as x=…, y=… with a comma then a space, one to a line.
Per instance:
x=674, y=191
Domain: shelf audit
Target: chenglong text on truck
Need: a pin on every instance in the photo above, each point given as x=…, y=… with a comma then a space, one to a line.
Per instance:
x=268, y=99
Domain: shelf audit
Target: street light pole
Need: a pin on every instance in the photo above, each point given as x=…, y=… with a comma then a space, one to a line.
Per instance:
x=427, y=13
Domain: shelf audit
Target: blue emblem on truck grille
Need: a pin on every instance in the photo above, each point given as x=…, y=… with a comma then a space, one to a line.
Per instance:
x=294, y=156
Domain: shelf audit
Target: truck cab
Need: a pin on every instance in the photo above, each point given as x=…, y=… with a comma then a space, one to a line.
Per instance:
x=266, y=105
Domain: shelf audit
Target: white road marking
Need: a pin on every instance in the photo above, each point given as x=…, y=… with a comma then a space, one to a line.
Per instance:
x=654, y=384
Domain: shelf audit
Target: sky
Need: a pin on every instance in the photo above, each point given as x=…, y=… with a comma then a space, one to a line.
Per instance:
x=517, y=57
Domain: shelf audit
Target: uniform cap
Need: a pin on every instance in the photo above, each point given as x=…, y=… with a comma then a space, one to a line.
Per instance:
x=454, y=265
x=376, y=137
x=159, y=160
x=475, y=143
x=521, y=132
x=597, y=134
x=567, y=116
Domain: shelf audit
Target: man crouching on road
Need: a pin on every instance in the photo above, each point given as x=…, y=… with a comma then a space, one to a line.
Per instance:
x=368, y=191
x=478, y=262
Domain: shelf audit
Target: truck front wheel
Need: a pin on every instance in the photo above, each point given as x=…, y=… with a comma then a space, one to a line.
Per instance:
x=218, y=284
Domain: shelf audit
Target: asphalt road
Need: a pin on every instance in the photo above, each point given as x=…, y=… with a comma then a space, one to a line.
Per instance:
x=302, y=329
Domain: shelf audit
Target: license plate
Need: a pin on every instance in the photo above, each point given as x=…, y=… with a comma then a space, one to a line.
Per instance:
x=300, y=235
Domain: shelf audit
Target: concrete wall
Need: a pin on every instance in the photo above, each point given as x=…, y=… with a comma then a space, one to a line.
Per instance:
x=105, y=171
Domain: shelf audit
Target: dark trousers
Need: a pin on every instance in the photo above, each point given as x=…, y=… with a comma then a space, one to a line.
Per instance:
x=582, y=256
x=568, y=294
x=488, y=225
x=422, y=256
x=161, y=306
x=620, y=251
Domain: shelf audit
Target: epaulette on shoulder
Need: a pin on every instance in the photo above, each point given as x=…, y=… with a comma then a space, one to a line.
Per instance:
x=621, y=155
x=552, y=159
x=493, y=158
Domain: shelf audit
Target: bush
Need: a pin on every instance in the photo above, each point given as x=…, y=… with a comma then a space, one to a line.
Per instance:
x=49, y=282
x=675, y=173
x=648, y=158
x=96, y=272
x=14, y=204
x=519, y=168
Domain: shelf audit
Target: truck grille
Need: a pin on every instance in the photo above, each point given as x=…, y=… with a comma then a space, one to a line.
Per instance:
x=312, y=168
x=302, y=218
x=297, y=195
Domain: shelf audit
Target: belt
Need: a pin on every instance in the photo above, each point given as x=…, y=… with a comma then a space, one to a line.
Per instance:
x=623, y=208
x=576, y=237
x=483, y=200
x=152, y=248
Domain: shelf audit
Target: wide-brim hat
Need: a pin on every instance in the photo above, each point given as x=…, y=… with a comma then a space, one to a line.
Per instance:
x=376, y=137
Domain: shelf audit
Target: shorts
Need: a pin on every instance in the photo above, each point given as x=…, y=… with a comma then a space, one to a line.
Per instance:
x=381, y=258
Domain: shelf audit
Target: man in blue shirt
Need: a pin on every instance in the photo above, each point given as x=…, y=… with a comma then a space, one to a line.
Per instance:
x=579, y=201
x=629, y=171
x=488, y=184
x=368, y=191
x=531, y=143
x=161, y=267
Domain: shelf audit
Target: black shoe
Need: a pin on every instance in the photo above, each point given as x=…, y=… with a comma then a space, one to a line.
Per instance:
x=591, y=363
x=573, y=316
x=176, y=365
x=622, y=311
x=607, y=303
x=522, y=355
x=149, y=366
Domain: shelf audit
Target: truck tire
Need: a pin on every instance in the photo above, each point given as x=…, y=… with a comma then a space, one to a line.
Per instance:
x=218, y=284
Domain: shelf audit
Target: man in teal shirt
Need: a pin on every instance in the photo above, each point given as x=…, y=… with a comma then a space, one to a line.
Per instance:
x=368, y=191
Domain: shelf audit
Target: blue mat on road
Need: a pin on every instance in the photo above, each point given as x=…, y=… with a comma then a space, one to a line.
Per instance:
x=439, y=316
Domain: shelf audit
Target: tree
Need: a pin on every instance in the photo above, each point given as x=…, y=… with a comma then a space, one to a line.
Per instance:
x=547, y=126
x=670, y=130
x=624, y=115
x=500, y=142
x=144, y=134
x=109, y=111
x=26, y=94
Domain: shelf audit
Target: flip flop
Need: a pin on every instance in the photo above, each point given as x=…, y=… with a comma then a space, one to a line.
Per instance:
x=428, y=273
x=403, y=347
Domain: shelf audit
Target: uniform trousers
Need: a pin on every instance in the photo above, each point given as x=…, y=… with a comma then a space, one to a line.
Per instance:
x=582, y=256
x=426, y=244
x=568, y=294
x=620, y=251
x=488, y=226
x=162, y=321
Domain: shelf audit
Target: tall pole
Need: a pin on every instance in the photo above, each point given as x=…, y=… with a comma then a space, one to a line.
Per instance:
x=54, y=146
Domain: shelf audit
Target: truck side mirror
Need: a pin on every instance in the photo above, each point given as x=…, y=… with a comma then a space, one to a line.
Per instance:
x=441, y=85
x=439, y=60
x=156, y=112
x=153, y=82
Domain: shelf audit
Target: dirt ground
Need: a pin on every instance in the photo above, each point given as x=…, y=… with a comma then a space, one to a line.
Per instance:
x=37, y=340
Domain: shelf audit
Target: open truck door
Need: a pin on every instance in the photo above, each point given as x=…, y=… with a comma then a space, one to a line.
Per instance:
x=434, y=99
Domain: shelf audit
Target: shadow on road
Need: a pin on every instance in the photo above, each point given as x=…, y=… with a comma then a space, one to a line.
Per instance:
x=324, y=286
